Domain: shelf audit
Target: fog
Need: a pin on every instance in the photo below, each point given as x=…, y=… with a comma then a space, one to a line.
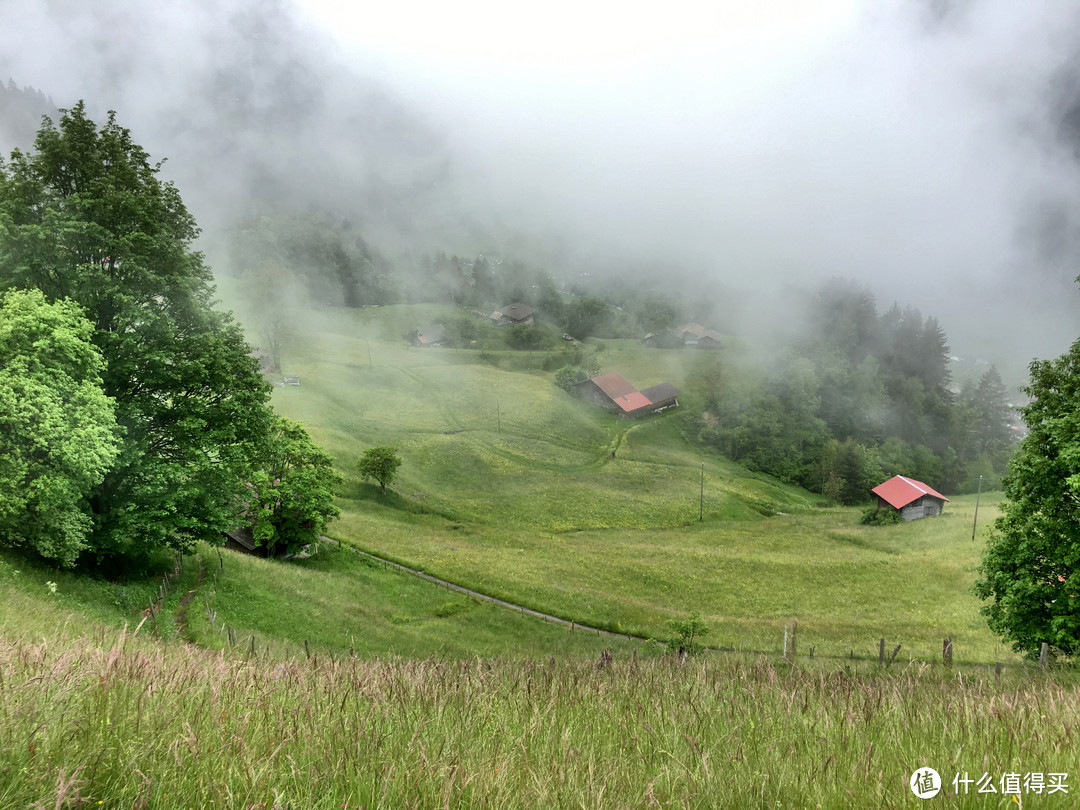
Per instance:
x=923, y=148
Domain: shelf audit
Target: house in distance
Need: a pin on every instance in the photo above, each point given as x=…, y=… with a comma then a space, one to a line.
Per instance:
x=614, y=392
x=689, y=334
x=512, y=314
x=429, y=336
x=912, y=499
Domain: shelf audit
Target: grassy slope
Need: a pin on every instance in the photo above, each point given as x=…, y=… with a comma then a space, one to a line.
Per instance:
x=113, y=721
x=509, y=487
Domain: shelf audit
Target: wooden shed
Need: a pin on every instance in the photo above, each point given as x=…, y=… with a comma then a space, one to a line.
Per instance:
x=912, y=499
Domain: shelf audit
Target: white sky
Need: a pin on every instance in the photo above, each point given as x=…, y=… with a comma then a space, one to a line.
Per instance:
x=783, y=139
x=585, y=41
x=578, y=35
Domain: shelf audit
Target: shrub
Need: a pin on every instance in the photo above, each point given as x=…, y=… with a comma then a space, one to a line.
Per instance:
x=877, y=516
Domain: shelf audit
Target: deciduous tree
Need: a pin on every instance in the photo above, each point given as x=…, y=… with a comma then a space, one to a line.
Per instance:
x=58, y=433
x=1030, y=569
x=87, y=217
x=292, y=492
x=380, y=463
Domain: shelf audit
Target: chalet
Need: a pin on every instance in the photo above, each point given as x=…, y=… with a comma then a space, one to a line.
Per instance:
x=429, y=336
x=615, y=392
x=513, y=314
x=694, y=334
x=912, y=499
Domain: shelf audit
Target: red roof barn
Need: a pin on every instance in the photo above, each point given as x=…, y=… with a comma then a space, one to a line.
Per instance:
x=913, y=499
x=615, y=392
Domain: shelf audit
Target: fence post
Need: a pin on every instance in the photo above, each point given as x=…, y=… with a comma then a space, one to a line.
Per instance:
x=1044, y=655
x=794, y=635
x=946, y=652
x=881, y=653
x=892, y=657
x=997, y=673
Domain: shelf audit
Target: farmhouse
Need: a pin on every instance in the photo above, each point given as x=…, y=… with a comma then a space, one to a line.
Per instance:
x=512, y=314
x=429, y=336
x=912, y=499
x=694, y=334
x=615, y=392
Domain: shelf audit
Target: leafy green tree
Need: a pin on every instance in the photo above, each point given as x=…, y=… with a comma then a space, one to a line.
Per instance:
x=381, y=464
x=569, y=376
x=586, y=316
x=86, y=217
x=58, y=432
x=525, y=337
x=292, y=494
x=687, y=632
x=1030, y=569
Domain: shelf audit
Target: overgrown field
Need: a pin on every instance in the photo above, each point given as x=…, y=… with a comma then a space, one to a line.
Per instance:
x=116, y=721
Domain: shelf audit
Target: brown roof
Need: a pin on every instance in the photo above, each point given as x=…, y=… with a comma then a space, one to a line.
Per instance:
x=517, y=312
x=661, y=392
x=697, y=331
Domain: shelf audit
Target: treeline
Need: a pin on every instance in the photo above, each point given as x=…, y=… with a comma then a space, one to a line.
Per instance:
x=282, y=259
x=858, y=397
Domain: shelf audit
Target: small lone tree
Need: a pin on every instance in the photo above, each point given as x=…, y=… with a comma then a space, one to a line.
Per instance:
x=380, y=463
x=687, y=632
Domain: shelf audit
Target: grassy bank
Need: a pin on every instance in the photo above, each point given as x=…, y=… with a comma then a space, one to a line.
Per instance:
x=134, y=723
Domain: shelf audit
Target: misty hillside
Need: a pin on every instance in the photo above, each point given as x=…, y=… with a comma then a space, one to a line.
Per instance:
x=255, y=113
x=920, y=154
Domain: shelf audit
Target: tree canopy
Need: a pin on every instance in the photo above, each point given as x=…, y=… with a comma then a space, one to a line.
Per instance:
x=58, y=432
x=292, y=492
x=87, y=217
x=381, y=464
x=1030, y=569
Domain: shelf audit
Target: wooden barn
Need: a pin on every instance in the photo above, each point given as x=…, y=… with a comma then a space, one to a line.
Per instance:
x=912, y=499
x=617, y=394
x=694, y=334
x=429, y=336
x=512, y=314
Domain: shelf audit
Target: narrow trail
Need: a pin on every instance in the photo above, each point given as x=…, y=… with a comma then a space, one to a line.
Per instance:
x=185, y=600
x=495, y=600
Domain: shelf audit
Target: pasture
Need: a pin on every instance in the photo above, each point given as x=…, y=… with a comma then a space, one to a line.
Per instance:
x=508, y=487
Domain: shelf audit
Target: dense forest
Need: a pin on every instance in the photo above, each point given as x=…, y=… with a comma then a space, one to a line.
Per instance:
x=862, y=395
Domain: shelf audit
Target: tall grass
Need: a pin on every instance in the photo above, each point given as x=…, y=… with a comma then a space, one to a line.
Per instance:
x=128, y=723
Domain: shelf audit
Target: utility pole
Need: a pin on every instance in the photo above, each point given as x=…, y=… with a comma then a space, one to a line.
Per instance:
x=701, y=508
x=976, y=520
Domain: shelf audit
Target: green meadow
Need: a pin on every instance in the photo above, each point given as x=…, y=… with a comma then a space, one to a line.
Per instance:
x=338, y=681
x=508, y=487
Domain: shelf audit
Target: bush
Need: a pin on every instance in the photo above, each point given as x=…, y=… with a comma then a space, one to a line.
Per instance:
x=687, y=632
x=877, y=516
